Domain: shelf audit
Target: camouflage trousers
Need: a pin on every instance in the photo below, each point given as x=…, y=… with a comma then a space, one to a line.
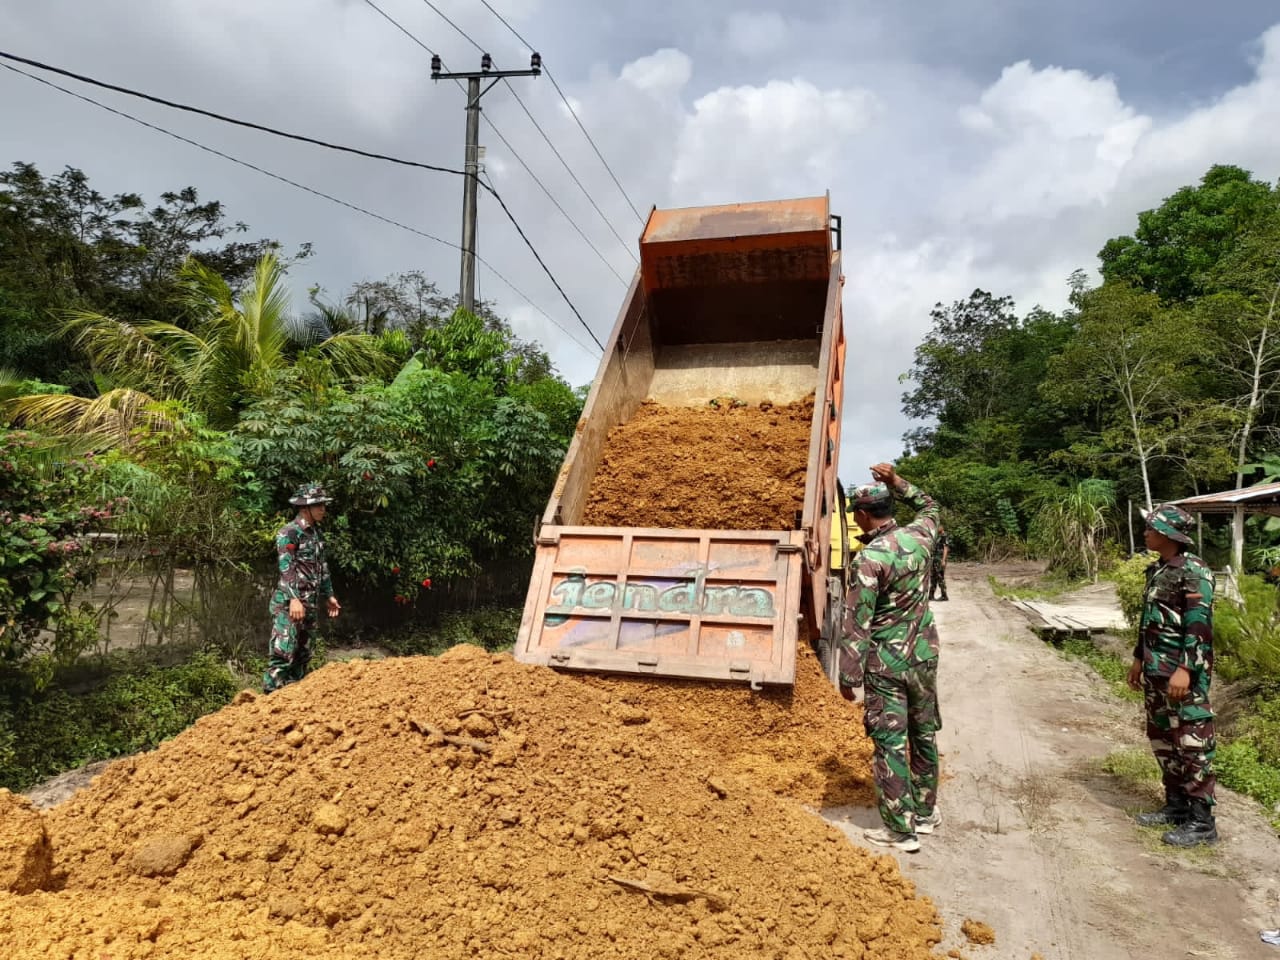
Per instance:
x=1181, y=735
x=290, y=651
x=938, y=580
x=901, y=715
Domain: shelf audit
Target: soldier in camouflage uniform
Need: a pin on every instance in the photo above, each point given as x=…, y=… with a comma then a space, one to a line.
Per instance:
x=1173, y=665
x=304, y=582
x=890, y=645
x=938, y=578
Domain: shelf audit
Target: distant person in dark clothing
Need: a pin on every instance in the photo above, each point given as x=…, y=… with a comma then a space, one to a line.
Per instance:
x=938, y=576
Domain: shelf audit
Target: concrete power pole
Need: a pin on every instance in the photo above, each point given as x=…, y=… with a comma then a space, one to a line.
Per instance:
x=471, y=182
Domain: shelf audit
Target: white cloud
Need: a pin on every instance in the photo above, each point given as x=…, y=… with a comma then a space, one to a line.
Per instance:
x=662, y=73
x=780, y=139
x=1055, y=139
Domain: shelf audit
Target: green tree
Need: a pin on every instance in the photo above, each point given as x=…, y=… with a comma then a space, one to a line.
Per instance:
x=1242, y=323
x=64, y=245
x=227, y=357
x=1128, y=358
x=1177, y=246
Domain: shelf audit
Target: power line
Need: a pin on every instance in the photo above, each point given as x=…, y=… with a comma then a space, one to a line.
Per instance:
x=441, y=15
x=395, y=23
x=550, y=196
x=304, y=139
x=572, y=112
x=225, y=119
x=590, y=199
x=569, y=169
x=300, y=186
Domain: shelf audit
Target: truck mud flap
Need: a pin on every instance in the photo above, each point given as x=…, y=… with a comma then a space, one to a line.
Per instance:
x=703, y=604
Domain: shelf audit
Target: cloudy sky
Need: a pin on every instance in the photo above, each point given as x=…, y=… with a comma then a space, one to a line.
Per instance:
x=966, y=143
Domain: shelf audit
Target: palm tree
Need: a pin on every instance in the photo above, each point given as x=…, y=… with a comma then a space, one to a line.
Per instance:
x=225, y=359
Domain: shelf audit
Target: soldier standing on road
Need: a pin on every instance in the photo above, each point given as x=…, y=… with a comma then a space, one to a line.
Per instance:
x=304, y=583
x=1173, y=665
x=941, y=550
x=890, y=645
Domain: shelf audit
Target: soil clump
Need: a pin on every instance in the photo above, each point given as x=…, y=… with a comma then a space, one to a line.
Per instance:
x=462, y=806
x=26, y=857
x=704, y=468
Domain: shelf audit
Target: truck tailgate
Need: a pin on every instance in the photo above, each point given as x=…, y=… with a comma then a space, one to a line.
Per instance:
x=708, y=604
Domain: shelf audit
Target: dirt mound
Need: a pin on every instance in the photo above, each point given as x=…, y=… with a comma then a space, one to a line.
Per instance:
x=25, y=854
x=466, y=806
x=805, y=742
x=705, y=468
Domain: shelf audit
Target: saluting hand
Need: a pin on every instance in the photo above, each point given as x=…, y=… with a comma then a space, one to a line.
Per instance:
x=885, y=473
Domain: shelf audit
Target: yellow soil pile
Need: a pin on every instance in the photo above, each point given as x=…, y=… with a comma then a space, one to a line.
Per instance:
x=466, y=806
x=704, y=468
x=805, y=742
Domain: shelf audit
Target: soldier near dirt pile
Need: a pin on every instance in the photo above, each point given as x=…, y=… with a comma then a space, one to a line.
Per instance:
x=890, y=645
x=1173, y=665
x=304, y=583
x=938, y=576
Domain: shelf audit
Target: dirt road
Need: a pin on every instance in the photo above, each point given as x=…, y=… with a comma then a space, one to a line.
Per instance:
x=1037, y=840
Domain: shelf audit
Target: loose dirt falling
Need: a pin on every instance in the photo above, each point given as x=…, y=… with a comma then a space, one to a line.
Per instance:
x=452, y=807
x=733, y=468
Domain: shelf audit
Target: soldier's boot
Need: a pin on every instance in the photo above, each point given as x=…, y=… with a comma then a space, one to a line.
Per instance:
x=1174, y=813
x=944, y=595
x=1199, y=827
x=884, y=837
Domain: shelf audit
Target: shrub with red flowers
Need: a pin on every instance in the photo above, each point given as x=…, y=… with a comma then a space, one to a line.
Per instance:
x=47, y=513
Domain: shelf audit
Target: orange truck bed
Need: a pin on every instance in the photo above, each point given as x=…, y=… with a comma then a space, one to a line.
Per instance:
x=742, y=300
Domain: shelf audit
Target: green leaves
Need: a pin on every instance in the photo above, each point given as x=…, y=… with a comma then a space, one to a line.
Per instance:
x=446, y=467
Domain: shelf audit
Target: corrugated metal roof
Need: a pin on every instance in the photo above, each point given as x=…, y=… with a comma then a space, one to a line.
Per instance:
x=1258, y=497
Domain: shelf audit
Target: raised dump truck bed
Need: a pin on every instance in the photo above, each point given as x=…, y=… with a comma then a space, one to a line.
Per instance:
x=737, y=301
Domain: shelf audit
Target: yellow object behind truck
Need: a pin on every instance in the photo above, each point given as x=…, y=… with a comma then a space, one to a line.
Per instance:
x=837, y=546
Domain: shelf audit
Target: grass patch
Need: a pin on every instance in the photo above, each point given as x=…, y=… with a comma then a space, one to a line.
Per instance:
x=1240, y=767
x=1134, y=766
x=1050, y=586
x=493, y=628
x=133, y=707
x=1110, y=667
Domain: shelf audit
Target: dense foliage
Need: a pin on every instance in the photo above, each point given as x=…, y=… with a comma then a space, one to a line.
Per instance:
x=163, y=400
x=1044, y=432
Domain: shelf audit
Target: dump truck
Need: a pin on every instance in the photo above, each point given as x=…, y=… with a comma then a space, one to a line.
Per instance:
x=743, y=300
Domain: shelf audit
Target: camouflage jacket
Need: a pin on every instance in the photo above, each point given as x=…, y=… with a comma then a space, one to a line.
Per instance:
x=939, y=546
x=304, y=572
x=888, y=626
x=1176, y=629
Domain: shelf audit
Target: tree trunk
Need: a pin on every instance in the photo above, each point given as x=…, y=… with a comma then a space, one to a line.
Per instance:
x=1255, y=388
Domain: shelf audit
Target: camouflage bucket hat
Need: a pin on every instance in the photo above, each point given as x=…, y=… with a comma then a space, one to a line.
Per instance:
x=310, y=494
x=1174, y=522
x=869, y=495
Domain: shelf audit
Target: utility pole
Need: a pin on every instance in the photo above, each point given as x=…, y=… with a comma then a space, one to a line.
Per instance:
x=471, y=182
